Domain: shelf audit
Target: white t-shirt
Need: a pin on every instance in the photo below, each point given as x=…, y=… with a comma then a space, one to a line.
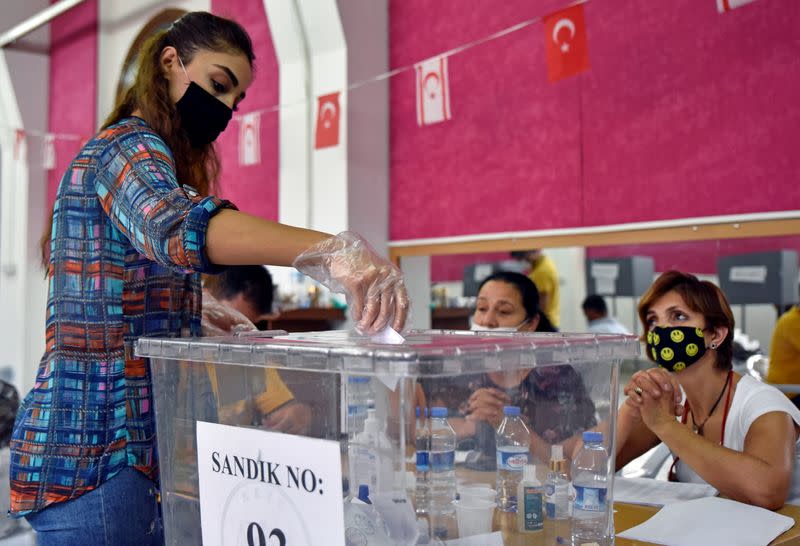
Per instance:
x=751, y=400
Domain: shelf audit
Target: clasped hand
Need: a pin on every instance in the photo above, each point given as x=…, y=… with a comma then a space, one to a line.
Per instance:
x=486, y=404
x=656, y=395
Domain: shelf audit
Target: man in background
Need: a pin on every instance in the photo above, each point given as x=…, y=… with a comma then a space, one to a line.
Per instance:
x=596, y=312
x=248, y=290
x=784, y=352
x=544, y=275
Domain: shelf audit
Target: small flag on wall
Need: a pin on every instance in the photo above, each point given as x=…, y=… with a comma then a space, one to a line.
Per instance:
x=328, y=114
x=728, y=5
x=565, y=43
x=250, y=139
x=49, y=155
x=433, y=91
x=19, y=142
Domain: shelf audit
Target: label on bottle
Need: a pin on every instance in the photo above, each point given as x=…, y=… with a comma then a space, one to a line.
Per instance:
x=422, y=460
x=550, y=500
x=442, y=461
x=512, y=460
x=556, y=499
x=363, y=467
x=532, y=508
x=590, y=499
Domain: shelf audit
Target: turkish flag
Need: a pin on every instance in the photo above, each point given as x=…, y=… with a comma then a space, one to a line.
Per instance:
x=327, y=121
x=433, y=91
x=565, y=43
x=728, y=5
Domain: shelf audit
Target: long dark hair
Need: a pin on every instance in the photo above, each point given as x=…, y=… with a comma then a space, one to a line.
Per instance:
x=149, y=94
x=528, y=294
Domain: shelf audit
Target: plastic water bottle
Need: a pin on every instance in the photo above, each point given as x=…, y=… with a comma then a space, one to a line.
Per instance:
x=442, y=472
x=556, y=486
x=369, y=455
x=423, y=445
x=513, y=440
x=556, y=499
x=359, y=399
x=590, y=510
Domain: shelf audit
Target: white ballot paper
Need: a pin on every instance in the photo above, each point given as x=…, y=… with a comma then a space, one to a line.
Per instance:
x=388, y=336
x=658, y=492
x=711, y=521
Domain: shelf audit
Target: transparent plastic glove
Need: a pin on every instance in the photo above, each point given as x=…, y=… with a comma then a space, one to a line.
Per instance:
x=222, y=320
x=373, y=286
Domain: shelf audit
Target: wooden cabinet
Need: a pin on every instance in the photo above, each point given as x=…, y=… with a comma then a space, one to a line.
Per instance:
x=450, y=318
x=313, y=319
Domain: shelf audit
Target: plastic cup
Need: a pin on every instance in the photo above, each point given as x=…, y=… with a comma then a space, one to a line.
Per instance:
x=482, y=492
x=474, y=516
x=466, y=486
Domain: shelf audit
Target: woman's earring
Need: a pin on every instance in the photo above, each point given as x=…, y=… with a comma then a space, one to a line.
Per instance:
x=714, y=345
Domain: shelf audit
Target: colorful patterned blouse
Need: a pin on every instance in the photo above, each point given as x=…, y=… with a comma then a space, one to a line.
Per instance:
x=128, y=243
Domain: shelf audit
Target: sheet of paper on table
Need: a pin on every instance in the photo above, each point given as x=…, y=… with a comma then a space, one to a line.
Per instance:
x=658, y=492
x=711, y=521
x=488, y=539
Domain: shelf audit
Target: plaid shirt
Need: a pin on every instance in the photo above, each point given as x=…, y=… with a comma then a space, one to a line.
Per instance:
x=127, y=245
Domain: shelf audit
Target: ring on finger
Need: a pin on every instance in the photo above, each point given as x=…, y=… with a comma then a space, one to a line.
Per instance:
x=638, y=390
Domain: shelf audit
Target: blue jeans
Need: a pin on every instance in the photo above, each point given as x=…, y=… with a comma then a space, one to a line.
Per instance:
x=123, y=511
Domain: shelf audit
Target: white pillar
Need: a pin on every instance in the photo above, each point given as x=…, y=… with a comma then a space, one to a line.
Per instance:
x=22, y=217
x=294, y=117
x=345, y=187
x=327, y=53
x=366, y=27
x=417, y=271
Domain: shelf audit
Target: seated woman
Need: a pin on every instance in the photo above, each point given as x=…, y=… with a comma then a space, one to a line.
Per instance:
x=553, y=400
x=730, y=431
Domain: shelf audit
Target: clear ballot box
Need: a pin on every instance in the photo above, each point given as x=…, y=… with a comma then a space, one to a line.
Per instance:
x=270, y=439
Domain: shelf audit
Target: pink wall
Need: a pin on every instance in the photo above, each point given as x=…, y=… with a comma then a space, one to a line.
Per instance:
x=73, y=87
x=73, y=91
x=684, y=112
x=254, y=189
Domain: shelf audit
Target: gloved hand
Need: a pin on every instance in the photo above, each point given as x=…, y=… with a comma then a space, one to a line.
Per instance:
x=373, y=286
x=222, y=320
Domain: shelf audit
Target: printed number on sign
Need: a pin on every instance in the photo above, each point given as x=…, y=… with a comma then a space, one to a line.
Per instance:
x=256, y=537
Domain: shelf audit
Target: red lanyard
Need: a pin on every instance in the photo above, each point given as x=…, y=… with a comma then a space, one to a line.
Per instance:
x=673, y=474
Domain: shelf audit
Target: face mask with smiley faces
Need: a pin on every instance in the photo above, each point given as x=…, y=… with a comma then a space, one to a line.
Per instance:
x=675, y=348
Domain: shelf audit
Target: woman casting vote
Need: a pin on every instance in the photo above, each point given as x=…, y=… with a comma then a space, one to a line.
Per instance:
x=133, y=227
x=730, y=431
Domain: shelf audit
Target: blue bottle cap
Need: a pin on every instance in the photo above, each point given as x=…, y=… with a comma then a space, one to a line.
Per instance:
x=592, y=436
x=426, y=412
x=357, y=379
x=438, y=412
x=418, y=412
x=363, y=493
x=511, y=410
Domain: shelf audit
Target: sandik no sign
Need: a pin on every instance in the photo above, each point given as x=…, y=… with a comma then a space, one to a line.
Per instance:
x=266, y=488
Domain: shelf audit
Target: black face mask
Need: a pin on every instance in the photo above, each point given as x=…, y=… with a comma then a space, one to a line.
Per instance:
x=203, y=116
x=676, y=348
